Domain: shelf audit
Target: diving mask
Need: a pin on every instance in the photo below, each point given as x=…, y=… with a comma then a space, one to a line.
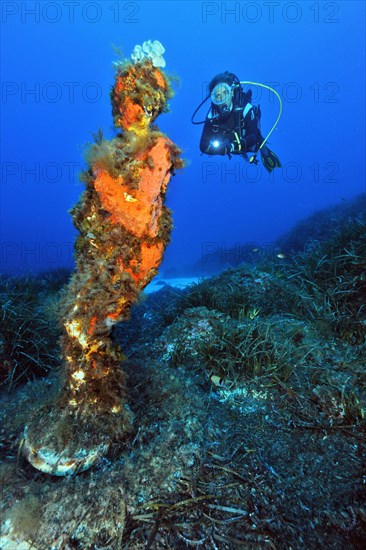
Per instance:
x=221, y=96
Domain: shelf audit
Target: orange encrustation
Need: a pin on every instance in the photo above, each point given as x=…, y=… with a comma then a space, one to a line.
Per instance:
x=150, y=259
x=138, y=209
x=159, y=79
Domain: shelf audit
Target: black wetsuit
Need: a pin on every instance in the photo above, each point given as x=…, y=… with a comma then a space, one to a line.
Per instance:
x=232, y=133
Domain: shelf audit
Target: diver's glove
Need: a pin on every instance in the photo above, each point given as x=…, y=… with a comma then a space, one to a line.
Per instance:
x=237, y=148
x=227, y=145
x=243, y=145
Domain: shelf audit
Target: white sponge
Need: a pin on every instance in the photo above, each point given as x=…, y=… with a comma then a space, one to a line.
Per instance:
x=152, y=50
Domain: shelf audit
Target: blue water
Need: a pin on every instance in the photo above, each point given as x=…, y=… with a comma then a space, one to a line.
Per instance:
x=57, y=73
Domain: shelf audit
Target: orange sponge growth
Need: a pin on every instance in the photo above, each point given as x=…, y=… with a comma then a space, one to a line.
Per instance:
x=138, y=210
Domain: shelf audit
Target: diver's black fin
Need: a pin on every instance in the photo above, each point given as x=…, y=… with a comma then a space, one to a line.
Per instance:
x=270, y=159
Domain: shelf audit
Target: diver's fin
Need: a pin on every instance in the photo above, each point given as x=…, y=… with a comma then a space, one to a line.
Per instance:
x=270, y=159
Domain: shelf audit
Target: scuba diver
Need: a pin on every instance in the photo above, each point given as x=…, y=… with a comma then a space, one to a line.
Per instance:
x=232, y=125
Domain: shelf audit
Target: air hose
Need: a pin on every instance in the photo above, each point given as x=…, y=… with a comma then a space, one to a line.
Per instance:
x=253, y=158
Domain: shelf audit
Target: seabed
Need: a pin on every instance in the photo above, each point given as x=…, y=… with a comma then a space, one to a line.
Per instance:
x=248, y=391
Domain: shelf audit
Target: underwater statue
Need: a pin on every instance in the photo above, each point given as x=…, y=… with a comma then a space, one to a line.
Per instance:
x=124, y=228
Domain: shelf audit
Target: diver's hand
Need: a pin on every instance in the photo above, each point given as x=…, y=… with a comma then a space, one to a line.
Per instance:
x=238, y=149
x=229, y=146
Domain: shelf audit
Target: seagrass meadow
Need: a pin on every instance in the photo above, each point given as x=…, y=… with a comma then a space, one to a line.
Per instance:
x=248, y=393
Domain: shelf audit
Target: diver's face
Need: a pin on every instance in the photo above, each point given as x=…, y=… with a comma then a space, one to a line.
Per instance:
x=221, y=96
